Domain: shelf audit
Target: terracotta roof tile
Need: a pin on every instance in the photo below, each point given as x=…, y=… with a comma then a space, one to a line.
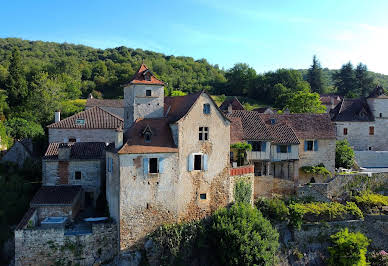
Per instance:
x=280, y=131
x=236, y=105
x=308, y=126
x=236, y=130
x=161, y=139
x=55, y=195
x=79, y=150
x=118, y=103
x=141, y=74
x=94, y=118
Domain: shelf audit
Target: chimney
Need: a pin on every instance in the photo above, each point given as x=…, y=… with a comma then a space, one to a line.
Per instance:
x=57, y=116
x=90, y=96
x=119, y=138
x=230, y=109
x=64, y=151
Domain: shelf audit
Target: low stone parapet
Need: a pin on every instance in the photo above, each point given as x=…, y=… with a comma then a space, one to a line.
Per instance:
x=242, y=170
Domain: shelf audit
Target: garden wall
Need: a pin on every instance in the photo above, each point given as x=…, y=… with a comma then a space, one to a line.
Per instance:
x=39, y=246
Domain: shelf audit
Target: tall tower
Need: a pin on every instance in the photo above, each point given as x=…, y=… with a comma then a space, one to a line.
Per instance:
x=143, y=97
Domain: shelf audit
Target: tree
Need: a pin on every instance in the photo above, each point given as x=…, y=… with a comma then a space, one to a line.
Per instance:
x=345, y=80
x=19, y=128
x=348, y=249
x=241, y=235
x=240, y=79
x=364, y=81
x=16, y=84
x=3, y=105
x=314, y=76
x=304, y=101
x=344, y=154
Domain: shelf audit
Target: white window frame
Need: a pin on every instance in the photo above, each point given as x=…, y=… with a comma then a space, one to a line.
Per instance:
x=202, y=133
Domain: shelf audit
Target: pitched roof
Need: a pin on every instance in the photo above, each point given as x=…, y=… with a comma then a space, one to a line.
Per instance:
x=281, y=132
x=378, y=92
x=236, y=130
x=307, y=126
x=352, y=110
x=141, y=74
x=178, y=106
x=161, y=139
x=253, y=126
x=236, y=105
x=79, y=150
x=118, y=103
x=94, y=118
x=55, y=195
x=263, y=110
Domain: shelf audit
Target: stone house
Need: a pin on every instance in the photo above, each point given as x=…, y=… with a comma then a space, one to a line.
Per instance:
x=172, y=163
x=364, y=123
x=78, y=164
x=92, y=125
x=282, y=144
x=114, y=106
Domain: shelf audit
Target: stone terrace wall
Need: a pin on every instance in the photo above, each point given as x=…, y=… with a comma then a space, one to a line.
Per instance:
x=267, y=186
x=51, y=247
x=245, y=173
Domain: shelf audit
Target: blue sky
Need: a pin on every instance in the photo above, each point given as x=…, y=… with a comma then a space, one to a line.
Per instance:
x=265, y=34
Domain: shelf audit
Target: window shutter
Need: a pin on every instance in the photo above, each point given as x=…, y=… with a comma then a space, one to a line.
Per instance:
x=191, y=162
x=264, y=146
x=111, y=164
x=78, y=140
x=205, y=162
x=278, y=148
x=305, y=145
x=289, y=148
x=161, y=165
x=316, y=145
x=145, y=166
x=65, y=140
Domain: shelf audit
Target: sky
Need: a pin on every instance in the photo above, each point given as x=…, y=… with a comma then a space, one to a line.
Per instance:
x=267, y=35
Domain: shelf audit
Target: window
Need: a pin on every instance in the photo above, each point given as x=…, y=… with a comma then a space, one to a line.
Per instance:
x=203, y=133
x=147, y=137
x=197, y=162
x=72, y=140
x=202, y=196
x=371, y=130
x=153, y=165
x=370, y=148
x=345, y=131
x=80, y=121
x=310, y=145
x=77, y=175
x=148, y=92
x=206, y=108
x=381, y=115
x=256, y=145
x=283, y=148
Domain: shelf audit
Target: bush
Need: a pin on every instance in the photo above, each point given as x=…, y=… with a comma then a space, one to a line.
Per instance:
x=319, y=170
x=240, y=235
x=19, y=128
x=348, y=248
x=344, y=154
x=242, y=191
x=274, y=209
x=322, y=211
x=378, y=258
x=369, y=201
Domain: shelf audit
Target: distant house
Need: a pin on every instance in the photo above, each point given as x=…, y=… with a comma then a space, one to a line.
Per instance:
x=330, y=101
x=231, y=103
x=114, y=106
x=20, y=152
x=92, y=125
x=264, y=110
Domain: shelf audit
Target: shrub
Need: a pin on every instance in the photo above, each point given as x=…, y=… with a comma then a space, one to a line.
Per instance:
x=344, y=154
x=322, y=211
x=368, y=201
x=242, y=191
x=348, y=248
x=378, y=258
x=274, y=209
x=240, y=235
x=319, y=170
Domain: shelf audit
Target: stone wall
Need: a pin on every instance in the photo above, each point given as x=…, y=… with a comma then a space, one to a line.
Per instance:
x=52, y=247
x=92, y=174
x=82, y=135
x=56, y=211
x=372, y=159
x=325, y=154
x=267, y=186
x=247, y=176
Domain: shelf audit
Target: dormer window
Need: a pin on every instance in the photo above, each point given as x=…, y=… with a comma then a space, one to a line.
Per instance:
x=148, y=93
x=147, y=75
x=80, y=121
x=147, y=133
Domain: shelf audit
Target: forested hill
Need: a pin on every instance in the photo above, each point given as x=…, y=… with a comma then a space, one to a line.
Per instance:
x=105, y=70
